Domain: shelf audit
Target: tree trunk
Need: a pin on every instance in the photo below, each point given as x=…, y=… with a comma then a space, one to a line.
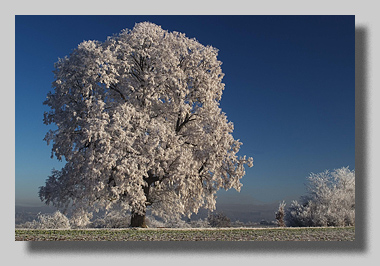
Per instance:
x=138, y=220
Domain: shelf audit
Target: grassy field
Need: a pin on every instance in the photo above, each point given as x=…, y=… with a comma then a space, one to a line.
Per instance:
x=167, y=234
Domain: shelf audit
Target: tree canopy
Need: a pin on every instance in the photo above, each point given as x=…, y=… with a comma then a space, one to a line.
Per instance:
x=138, y=123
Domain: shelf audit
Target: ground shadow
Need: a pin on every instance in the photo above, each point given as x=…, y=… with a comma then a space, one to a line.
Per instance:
x=358, y=246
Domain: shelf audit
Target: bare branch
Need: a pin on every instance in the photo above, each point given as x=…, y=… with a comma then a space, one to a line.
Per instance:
x=113, y=87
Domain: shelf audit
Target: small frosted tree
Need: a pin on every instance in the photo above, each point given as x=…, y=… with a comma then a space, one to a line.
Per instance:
x=280, y=214
x=330, y=200
x=218, y=219
x=139, y=125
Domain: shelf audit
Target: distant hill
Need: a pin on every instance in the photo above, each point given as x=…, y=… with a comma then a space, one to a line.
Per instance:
x=249, y=212
x=243, y=212
x=246, y=212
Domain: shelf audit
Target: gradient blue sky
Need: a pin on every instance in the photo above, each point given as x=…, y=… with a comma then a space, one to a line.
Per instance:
x=290, y=91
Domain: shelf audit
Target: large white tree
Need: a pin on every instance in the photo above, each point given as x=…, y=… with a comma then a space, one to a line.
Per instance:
x=139, y=124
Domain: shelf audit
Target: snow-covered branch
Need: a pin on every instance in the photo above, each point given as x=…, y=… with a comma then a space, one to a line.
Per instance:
x=139, y=123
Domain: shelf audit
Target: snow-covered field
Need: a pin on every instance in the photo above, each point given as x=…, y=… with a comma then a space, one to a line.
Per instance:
x=194, y=234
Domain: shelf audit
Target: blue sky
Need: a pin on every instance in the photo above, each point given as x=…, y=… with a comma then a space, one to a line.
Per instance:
x=290, y=91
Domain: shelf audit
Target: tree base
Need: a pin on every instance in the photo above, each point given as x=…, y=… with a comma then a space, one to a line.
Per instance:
x=138, y=220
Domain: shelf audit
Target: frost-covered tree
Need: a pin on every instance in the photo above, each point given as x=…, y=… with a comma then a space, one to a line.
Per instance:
x=139, y=124
x=330, y=200
x=280, y=214
x=218, y=219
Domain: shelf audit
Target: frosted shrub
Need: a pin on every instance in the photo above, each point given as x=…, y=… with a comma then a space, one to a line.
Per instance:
x=98, y=223
x=80, y=219
x=219, y=219
x=330, y=200
x=152, y=222
x=200, y=223
x=177, y=223
x=299, y=215
x=113, y=219
x=238, y=223
x=280, y=214
x=28, y=225
x=56, y=220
